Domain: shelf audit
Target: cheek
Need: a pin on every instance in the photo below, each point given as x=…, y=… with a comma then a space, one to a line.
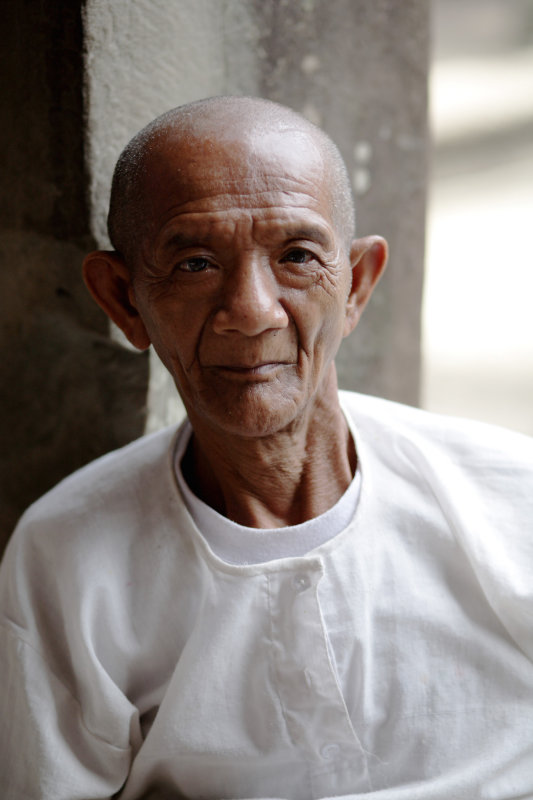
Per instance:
x=320, y=324
x=174, y=330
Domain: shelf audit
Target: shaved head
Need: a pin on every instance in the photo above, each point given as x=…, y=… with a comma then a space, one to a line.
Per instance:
x=216, y=119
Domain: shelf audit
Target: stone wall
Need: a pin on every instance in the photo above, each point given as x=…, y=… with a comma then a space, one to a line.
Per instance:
x=67, y=392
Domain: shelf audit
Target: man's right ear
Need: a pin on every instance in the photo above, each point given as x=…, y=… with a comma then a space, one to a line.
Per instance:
x=109, y=280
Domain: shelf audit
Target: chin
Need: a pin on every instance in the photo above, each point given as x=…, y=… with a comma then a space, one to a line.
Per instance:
x=253, y=414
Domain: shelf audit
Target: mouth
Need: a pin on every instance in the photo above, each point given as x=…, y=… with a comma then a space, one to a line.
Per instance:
x=258, y=372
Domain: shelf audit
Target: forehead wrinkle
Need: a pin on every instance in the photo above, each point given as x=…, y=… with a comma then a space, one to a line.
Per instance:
x=241, y=189
x=232, y=204
x=293, y=225
x=227, y=180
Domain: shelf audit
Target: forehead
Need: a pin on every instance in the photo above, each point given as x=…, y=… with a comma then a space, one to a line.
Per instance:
x=215, y=173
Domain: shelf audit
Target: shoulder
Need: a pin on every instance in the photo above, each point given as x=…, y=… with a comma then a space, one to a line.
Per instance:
x=107, y=525
x=114, y=496
x=119, y=474
x=477, y=477
x=462, y=464
x=473, y=477
x=464, y=440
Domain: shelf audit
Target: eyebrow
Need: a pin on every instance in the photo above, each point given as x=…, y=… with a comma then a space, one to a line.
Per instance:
x=312, y=233
x=183, y=241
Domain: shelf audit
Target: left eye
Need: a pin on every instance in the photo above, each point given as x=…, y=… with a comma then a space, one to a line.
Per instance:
x=298, y=256
x=193, y=264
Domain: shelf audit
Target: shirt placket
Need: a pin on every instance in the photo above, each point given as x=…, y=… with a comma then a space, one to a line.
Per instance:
x=306, y=680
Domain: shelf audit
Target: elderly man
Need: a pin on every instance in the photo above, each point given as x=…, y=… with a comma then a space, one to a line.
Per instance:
x=294, y=595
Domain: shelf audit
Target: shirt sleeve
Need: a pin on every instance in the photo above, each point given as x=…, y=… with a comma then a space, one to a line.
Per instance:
x=46, y=751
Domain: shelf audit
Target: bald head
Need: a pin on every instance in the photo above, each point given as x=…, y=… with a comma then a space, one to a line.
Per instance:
x=216, y=119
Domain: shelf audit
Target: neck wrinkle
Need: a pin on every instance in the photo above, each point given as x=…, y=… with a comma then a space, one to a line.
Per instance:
x=275, y=481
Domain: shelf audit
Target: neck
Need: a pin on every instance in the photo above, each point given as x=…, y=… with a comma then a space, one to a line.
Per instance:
x=273, y=481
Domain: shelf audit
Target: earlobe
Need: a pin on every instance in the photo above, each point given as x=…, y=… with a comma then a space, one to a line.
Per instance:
x=368, y=258
x=108, y=279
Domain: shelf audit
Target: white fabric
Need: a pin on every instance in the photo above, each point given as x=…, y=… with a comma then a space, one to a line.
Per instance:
x=393, y=662
x=238, y=544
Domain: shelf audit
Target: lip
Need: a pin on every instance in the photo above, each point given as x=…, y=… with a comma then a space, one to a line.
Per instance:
x=261, y=371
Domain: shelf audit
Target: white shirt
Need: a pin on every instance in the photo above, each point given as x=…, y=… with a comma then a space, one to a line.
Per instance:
x=393, y=661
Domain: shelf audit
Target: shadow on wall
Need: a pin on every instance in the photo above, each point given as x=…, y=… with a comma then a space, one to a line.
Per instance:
x=67, y=393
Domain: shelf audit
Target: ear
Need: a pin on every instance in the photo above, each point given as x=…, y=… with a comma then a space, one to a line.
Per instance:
x=368, y=258
x=109, y=280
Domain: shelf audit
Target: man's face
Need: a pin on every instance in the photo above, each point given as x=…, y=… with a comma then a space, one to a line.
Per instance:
x=242, y=280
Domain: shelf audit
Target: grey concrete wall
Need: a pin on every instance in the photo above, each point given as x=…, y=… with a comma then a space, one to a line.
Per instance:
x=358, y=68
x=67, y=393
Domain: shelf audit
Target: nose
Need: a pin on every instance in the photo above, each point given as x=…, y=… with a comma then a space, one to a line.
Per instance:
x=250, y=300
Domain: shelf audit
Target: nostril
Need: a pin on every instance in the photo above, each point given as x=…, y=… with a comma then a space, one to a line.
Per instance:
x=250, y=321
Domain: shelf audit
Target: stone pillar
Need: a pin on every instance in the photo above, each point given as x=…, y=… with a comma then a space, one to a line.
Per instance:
x=67, y=393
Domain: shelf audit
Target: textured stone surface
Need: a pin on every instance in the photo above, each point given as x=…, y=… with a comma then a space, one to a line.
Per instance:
x=356, y=67
x=67, y=392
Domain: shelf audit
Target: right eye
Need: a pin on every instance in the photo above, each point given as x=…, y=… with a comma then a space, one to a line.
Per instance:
x=194, y=264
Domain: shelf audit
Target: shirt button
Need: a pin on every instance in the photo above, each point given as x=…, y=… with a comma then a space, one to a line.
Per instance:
x=302, y=582
x=329, y=751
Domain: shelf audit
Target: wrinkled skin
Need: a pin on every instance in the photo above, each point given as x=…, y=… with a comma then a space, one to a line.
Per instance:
x=243, y=285
x=245, y=288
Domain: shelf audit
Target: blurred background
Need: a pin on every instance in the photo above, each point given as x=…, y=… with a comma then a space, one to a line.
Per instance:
x=477, y=340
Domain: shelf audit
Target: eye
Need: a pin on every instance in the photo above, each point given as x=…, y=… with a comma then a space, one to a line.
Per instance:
x=297, y=255
x=195, y=264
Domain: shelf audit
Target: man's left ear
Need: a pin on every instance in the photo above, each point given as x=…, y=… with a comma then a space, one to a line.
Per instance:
x=368, y=258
